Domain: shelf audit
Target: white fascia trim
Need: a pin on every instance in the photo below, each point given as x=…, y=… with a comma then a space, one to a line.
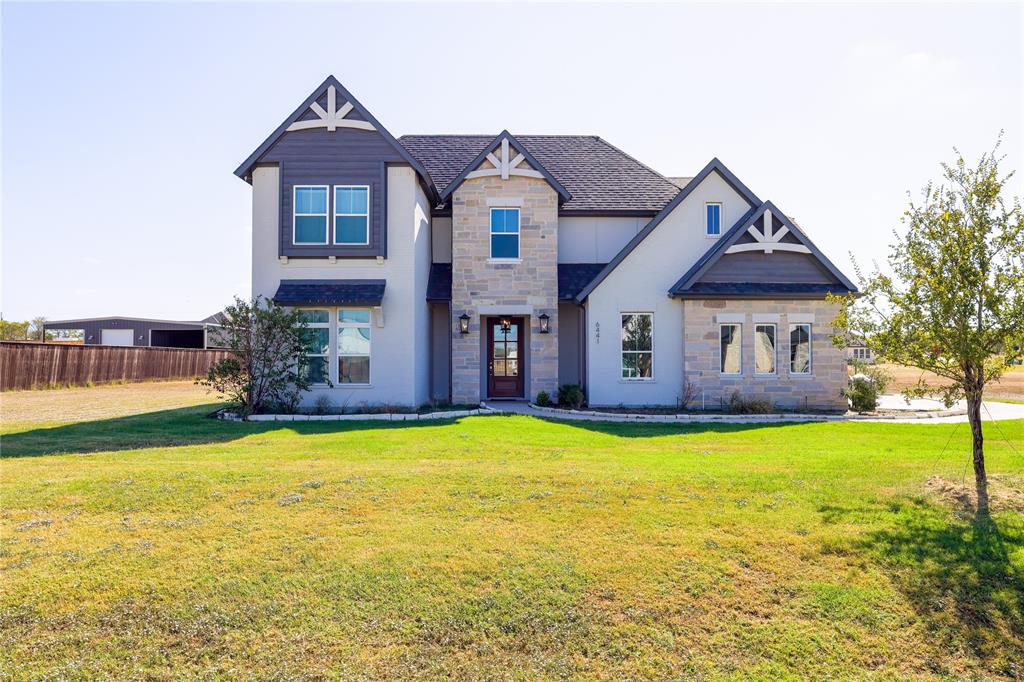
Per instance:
x=730, y=318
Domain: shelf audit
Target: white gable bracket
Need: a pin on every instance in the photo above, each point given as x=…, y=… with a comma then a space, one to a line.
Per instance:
x=504, y=166
x=768, y=240
x=332, y=117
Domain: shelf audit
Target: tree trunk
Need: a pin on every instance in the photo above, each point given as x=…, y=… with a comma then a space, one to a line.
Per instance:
x=980, y=478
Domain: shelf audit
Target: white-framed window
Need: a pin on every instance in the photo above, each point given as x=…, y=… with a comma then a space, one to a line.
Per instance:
x=800, y=348
x=730, y=354
x=352, y=214
x=764, y=348
x=861, y=353
x=309, y=214
x=713, y=219
x=504, y=233
x=637, y=346
x=318, y=344
x=353, y=346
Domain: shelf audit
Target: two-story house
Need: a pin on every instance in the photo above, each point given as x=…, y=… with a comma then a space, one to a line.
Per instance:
x=474, y=267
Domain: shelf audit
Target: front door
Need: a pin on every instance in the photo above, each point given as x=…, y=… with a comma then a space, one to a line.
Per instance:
x=504, y=361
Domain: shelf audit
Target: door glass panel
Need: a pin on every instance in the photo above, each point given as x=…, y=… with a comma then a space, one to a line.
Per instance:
x=511, y=368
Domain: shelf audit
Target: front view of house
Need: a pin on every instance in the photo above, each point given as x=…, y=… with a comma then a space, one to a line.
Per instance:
x=482, y=267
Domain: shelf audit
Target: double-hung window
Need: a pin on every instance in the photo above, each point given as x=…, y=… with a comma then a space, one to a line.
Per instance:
x=353, y=346
x=318, y=344
x=352, y=214
x=504, y=233
x=637, y=346
x=800, y=348
x=764, y=349
x=309, y=219
x=729, y=348
x=713, y=216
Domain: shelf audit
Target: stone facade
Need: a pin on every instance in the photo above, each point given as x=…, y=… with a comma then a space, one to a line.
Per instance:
x=822, y=389
x=481, y=287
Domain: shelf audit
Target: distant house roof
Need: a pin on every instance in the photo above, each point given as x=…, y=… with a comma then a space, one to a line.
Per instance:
x=599, y=177
x=572, y=277
x=363, y=292
x=65, y=323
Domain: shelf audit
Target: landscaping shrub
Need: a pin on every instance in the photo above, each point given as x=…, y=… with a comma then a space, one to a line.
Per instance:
x=571, y=396
x=543, y=399
x=739, y=404
x=866, y=385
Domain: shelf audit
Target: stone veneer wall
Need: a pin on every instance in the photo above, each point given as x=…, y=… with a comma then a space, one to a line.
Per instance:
x=532, y=283
x=821, y=390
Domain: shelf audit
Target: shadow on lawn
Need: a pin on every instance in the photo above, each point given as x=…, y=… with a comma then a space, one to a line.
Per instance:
x=166, y=428
x=961, y=580
x=640, y=429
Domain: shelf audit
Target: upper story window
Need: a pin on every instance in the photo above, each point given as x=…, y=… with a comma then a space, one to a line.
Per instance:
x=318, y=344
x=505, y=233
x=351, y=214
x=713, y=212
x=637, y=346
x=800, y=348
x=309, y=220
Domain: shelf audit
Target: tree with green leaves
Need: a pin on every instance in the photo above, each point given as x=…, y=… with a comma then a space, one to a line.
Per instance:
x=953, y=304
x=268, y=367
x=13, y=331
x=37, y=329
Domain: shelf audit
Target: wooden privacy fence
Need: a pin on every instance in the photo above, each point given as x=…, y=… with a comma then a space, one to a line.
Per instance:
x=45, y=365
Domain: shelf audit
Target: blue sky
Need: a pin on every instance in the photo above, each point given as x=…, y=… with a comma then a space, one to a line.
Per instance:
x=122, y=123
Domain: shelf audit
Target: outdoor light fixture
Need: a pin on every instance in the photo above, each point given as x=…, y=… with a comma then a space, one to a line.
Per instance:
x=544, y=319
x=506, y=325
x=464, y=323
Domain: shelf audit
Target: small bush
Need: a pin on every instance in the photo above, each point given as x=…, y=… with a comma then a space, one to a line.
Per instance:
x=739, y=404
x=866, y=386
x=571, y=396
x=543, y=399
x=323, y=405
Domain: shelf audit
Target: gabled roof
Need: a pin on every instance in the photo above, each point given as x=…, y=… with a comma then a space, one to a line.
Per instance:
x=601, y=178
x=715, y=166
x=687, y=281
x=245, y=169
x=487, y=153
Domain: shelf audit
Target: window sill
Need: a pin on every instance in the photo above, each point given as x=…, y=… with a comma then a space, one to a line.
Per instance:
x=712, y=236
x=507, y=261
x=801, y=376
x=638, y=381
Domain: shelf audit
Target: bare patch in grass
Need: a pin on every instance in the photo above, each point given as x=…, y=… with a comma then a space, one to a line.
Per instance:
x=1006, y=493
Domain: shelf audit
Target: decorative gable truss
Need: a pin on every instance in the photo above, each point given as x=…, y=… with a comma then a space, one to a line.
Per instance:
x=765, y=254
x=504, y=166
x=506, y=157
x=332, y=117
x=767, y=238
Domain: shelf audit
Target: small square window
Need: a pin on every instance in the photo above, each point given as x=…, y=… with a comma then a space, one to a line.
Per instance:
x=714, y=219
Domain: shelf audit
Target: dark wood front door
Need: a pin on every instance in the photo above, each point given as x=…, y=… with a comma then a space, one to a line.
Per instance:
x=504, y=357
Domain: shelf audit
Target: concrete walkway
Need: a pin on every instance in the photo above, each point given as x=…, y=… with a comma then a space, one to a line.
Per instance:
x=924, y=411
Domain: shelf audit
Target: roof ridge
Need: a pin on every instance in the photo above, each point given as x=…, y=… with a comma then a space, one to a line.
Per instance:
x=634, y=160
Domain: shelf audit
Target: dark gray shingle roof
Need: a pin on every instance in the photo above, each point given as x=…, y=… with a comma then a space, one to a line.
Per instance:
x=330, y=292
x=572, y=277
x=762, y=290
x=600, y=177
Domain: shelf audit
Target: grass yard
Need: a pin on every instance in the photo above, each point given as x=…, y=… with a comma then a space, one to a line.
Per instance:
x=165, y=545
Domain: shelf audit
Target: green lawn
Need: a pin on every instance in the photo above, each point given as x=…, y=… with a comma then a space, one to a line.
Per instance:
x=167, y=545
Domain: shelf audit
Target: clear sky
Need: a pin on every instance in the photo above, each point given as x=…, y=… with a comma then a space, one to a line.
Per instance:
x=122, y=123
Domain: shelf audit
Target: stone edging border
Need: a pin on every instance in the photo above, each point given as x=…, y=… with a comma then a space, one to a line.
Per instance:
x=776, y=417
x=392, y=417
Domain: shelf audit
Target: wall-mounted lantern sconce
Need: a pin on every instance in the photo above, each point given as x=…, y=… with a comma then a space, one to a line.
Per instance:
x=544, y=322
x=464, y=323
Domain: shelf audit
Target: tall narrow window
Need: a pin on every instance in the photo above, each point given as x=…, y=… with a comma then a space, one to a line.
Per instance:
x=714, y=219
x=318, y=344
x=637, y=346
x=764, y=349
x=351, y=214
x=309, y=215
x=799, y=349
x=353, y=346
x=504, y=233
x=729, y=345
